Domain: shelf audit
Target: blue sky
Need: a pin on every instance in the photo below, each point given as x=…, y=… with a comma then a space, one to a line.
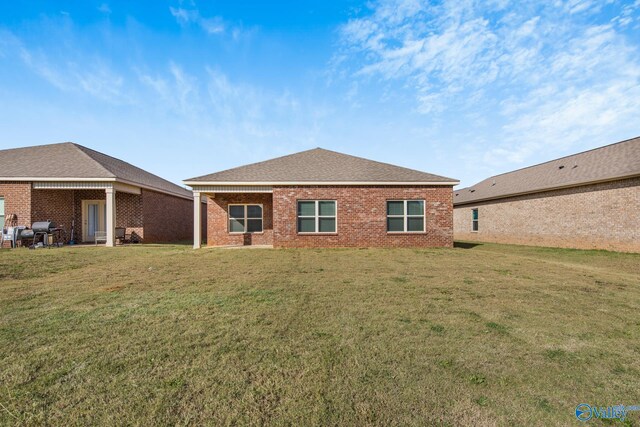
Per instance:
x=461, y=88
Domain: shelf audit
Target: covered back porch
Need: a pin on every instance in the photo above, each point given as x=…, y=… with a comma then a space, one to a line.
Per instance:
x=235, y=215
x=88, y=211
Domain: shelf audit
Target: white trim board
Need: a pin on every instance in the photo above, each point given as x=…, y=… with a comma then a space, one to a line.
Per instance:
x=104, y=181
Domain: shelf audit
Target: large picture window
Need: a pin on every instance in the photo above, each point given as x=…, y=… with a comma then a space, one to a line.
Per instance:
x=474, y=221
x=245, y=218
x=317, y=216
x=405, y=216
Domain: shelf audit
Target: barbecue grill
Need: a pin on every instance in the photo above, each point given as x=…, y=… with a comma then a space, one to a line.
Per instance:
x=40, y=230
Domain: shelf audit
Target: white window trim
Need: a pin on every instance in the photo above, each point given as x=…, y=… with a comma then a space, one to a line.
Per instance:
x=476, y=221
x=246, y=224
x=405, y=215
x=317, y=216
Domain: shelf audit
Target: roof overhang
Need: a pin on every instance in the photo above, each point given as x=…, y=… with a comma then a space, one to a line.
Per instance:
x=85, y=185
x=71, y=183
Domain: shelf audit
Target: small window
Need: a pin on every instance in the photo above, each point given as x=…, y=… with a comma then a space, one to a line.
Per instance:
x=245, y=218
x=405, y=216
x=317, y=216
x=1, y=213
x=474, y=222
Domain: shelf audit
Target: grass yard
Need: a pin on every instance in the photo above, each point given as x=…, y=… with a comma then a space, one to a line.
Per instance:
x=164, y=335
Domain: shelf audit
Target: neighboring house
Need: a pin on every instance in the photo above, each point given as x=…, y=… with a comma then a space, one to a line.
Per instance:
x=589, y=200
x=71, y=184
x=320, y=198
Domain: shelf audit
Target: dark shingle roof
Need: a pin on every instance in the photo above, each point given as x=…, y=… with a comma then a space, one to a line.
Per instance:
x=606, y=163
x=320, y=166
x=72, y=161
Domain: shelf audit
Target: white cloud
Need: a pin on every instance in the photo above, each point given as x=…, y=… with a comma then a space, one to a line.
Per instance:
x=87, y=75
x=551, y=73
x=178, y=90
x=214, y=25
x=240, y=114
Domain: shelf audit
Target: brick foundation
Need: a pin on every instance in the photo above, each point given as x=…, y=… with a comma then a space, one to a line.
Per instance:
x=598, y=216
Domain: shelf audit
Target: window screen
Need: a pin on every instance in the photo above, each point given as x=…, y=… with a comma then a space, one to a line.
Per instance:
x=405, y=216
x=245, y=218
x=317, y=216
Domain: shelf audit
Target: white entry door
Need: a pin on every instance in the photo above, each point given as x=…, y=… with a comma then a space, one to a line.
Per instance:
x=94, y=218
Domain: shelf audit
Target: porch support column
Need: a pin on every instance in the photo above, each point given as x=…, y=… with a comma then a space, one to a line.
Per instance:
x=197, y=220
x=111, y=216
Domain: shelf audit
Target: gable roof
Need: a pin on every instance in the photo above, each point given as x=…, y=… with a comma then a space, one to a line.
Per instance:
x=68, y=161
x=320, y=166
x=611, y=162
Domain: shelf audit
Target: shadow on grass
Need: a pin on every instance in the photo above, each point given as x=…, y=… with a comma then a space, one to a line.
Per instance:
x=465, y=245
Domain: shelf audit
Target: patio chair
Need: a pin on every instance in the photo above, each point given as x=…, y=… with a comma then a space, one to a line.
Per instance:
x=122, y=236
x=100, y=236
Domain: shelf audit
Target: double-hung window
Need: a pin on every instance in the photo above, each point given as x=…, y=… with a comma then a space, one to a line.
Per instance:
x=405, y=216
x=245, y=218
x=1, y=213
x=474, y=220
x=317, y=216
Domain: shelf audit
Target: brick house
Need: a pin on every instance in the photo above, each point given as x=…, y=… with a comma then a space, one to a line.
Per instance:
x=588, y=200
x=320, y=198
x=71, y=184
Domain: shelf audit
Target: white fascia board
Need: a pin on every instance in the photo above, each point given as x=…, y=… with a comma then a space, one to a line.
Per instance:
x=126, y=188
x=110, y=180
x=49, y=179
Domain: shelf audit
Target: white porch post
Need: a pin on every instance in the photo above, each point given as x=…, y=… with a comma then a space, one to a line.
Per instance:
x=197, y=220
x=111, y=216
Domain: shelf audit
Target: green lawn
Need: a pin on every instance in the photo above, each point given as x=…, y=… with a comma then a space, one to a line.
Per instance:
x=164, y=335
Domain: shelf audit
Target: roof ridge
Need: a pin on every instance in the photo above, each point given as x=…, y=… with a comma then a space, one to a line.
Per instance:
x=81, y=148
x=385, y=163
x=257, y=163
x=320, y=149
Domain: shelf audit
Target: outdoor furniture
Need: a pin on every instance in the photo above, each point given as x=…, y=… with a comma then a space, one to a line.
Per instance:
x=122, y=236
x=9, y=231
x=100, y=236
x=41, y=234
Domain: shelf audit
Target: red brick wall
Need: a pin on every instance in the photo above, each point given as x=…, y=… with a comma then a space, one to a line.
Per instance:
x=218, y=224
x=166, y=218
x=54, y=205
x=598, y=216
x=203, y=219
x=362, y=216
x=129, y=213
x=17, y=200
